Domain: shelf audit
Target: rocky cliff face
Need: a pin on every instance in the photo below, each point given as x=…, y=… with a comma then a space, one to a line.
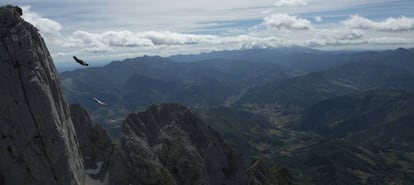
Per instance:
x=38, y=143
x=168, y=144
x=94, y=143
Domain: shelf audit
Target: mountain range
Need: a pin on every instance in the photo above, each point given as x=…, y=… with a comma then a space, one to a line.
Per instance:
x=258, y=117
x=330, y=117
x=46, y=141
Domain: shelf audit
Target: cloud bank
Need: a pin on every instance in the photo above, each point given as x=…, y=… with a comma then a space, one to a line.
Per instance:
x=284, y=21
x=45, y=25
x=108, y=40
x=341, y=34
x=390, y=25
x=272, y=30
x=114, y=40
x=279, y=3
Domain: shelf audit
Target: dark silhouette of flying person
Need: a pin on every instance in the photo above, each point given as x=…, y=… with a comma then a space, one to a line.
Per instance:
x=81, y=62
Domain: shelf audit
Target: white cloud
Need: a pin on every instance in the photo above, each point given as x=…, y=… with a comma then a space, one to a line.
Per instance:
x=113, y=41
x=128, y=39
x=290, y=3
x=266, y=42
x=318, y=19
x=45, y=25
x=226, y=24
x=285, y=21
x=341, y=34
x=391, y=24
x=356, y=42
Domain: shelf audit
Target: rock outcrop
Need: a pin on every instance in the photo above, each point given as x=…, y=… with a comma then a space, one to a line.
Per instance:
x=260, y=174
x=38, y=143
x=168, y=144
x=94, y=143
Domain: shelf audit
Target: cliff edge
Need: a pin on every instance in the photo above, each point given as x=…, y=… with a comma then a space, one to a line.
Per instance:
x=38, y=143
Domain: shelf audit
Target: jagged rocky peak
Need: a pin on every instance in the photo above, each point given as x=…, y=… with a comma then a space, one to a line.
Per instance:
x=261, y=174
x=38, y=143
x=94, y=142
x=169, y=144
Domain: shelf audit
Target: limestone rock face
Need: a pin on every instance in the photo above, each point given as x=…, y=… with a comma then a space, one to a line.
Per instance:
x=94, y=143
x=38, y=143
x=168, y=144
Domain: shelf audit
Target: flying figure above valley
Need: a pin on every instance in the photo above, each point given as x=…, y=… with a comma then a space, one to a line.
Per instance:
x=99, y=102
x=81, y=62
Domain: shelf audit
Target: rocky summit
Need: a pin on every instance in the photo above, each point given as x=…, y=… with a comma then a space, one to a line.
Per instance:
x=171, y=145
x=38, y=143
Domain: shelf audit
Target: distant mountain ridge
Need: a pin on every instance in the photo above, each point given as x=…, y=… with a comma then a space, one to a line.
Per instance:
x=134, y=84
x=381, y=72
x=373, y=118
x=298, y=59
x=296, y=77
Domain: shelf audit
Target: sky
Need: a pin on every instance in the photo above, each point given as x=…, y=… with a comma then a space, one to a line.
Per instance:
x=105, y=30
